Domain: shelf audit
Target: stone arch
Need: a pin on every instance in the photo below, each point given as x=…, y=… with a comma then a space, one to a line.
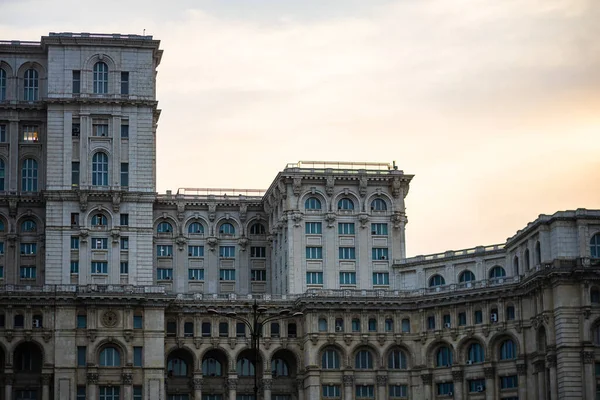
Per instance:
x=493, y=347
x=24, y=342
x=42, y=79
x=165, y=218
x=462, y=348
x=352, y=195
x=221, y=351
x=313, y=193
x=102, y=210
x=185, y=352
x=389, y=201
x=39, y=223
x=353, y=351
x=9, y=71
x=432, y=349
x=256, y=220
x=125, y=356
x=7, y=226
x=385, y=351
x=196, y=218
x=42, y=73
x=343, y=354
x=237, y=225
x=293, y=356
x=108, y=60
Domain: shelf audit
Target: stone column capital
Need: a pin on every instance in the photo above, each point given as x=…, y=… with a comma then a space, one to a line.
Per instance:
x=46, y=378
x=232, y=383
x=92, y=378
x=489, y=372
x=267, y=384
x=382, y=380
x=197, y=383
x=551, y=360
x=427, y=379
x=9, y=379
x=127, y=378
x=348, y=380
x=457, y=375
x=522, y=369
x=588, y=357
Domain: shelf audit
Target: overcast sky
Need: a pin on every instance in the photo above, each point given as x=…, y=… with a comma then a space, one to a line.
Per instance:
x=494, y=106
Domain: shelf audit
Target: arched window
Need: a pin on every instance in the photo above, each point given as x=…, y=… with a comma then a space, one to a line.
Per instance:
x=196, y=228
x=99, y=220
x=476, y=353
x=2, y=226
x=345, y=204
x=2, y=174
x=538, y=253
x=516, y=265
x=100, y=78
x=257, y=229
x=330, y=359
x=211, y=367
x=443, y=357
x=164, y=227
x=466, y=276
x=595, y=246
x=595, y=295
x=397, y=360
x=507, y=350
x=100, y=169
x=363, y=360
x=177, y=367
x=29, y=175
x=227, y=229
x=31, y=85
x=312, y=203
x=2, y=84
x=436, y=280
x=527, y=261
x=245, y=367
x=497, y=272
x=372, y=325
x=110, y=357
x=279, y=368
x=322, y=325
x=389, y=325
x=596, y=334
x=28, y=226
x=378, y=205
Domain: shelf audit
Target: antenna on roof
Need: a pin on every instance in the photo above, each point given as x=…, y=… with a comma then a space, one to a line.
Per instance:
x=144, y=34
x=394, y=164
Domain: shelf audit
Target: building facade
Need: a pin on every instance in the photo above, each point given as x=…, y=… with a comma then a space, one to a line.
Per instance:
x=109, y=290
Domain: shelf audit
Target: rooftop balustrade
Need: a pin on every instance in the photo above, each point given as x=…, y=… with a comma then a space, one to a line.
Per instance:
x=479, y=250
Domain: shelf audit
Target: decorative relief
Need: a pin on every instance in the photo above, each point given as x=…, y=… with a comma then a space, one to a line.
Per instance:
x=397, y=219
x=243, y=211
x=92, y=378
x=297, y=218
x=9, y=379
x=522, y=369
x=330, y=219
x=489, y=372
x=46, y=378
x=12, y=207
x=363, y=182
x=115, y=234
x=127, y=378
x=297, y=186
x=457, y=375
x=381, y=380
x=180, y=210
x=197, y=383
x=181, y=241
x=212, y=211
x=282, y=189
x=551, y=360
x=329, y=184
x=267, y=384
x=212, y=243
x=116, y=201
x=363, y=219
x=243, y=242
x=588, y=357
x=92, y=334
x=83, y=201
x=396, y=187
x=539, y=366
x=83, y=235
x=9, y=334
x=110, y=319
x=231, y=384
x=348, y=380
x=427, y=379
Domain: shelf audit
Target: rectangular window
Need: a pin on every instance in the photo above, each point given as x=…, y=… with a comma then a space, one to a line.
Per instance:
x=138, y=322
x=28, y=272
x=137, y=356
x=347, y=253
x=478, y=317
x=509, y=382
x=446, y=319
x=81, y=392
x=462, y=318
x=206, y=329
x=75, y=128
x=223, y=329
x=196, y=251
x=81, y=321
x=124, y=243
x=99, y=243
x=137, y=393
x=124, y=82
x=164, y=274
x=445, y=388
x=164, y=250
x=431, y=322
x=124, y=131
x=1, y=247
x=30, y=134
x=100, y=128
x=314, y=253
x=398, y=391
x=365, y=392
x=76, y=82
x=379, y=253
x=28, y=249
x=110, y=392
x=2, y=133
x=332, y=391
x=227, y=251
x=380, y=229
x=81, y=356
x=124, y=174
x=347, y=278
x=381, y=278
x=124, y=219
x=314, y=278
x=1, y=272
x=99, y=267
x=75, y=174
x=258, y=275
x=476, y=385
x=74, y=266
x=510, y=313
x=346, y=228
x=258, y=252
x=74, y=242
x=313, y=228
x=240, y=329
x=227, y=274
x=124, y=267
x=196, y=274
x=74, y=219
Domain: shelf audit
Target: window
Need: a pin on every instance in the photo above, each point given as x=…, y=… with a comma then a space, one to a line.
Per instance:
x=29, y=175
x=595, y=246
x=331, y=391
x=322, y=325
x=28, y=249
x=99, y=267
x=75, y=173
x=164, y=250
x=445, y=388
x=476, y=353
x=26, y=395
x=313, y=228
x=509, y=382
x=196, y=228
x=381, y=278
x=99, y=243
x=100, y=128
x=346, y=228
x=195, y=251
x=258, y=252
x=398, y=391
x=2, y=166
x=355, y=325
x=292, y=330
x=124, y=219
x=339, y=325
x=138, y=322
x=164, y=227
x=206, y=329
x=378, y=253
x=171, y=328
x=389, y=325
x=99, y=220
x=2, y=84
x=240, y=329
x=211, y=367
x=497, y=272
x=81, y=321
x=245, y=367
x=527, y=260
x=124, y=131
x=347, y=253
x=476, y=385
x=124, y=267
x=227, y=251
x=124, y=82
x=406, y=325
x=110, y=392
x=378, y=205
x=345, y=204
x=257, y=229
x=30, y=134
x=81, y=393
x=100, y=169
x=436, y=280
x=137, y=393
x=28, y=272
x=124, y=243
x=446, y=319
x=397, y=360
x=478, y=316
x=137, y=356
x=379, y=229
x=312, y=203
x=76, y=82
x=2, y=133
x=164, y=274
x=274, y=329
x=330, y=359
x=100, y=78
x=466, y=276
x=258, y=275
x=75, y=128
x=81, y=356
x=538, y=253
x=372, y=325
x=28, y=226
x=223, y=329
x=365, y=392
x=510, y=311
x=443, y=357
x=124, y=174
x=314, y=278
x=227, y=274
x=227, y=229
x=31, y=85
x=110, y=357
x=431, y=322
x=314, y=253
x=19, y=321
x=74, y=266
x=462, y=318
x=507, y=350
x=196, y=274
x=1, y=247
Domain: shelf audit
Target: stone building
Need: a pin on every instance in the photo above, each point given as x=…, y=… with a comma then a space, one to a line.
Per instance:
x=109, y=290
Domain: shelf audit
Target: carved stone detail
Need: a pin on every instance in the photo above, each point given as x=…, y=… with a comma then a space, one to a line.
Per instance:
x=330, y=218
x=489, y=372
x=110, y=319
x=381, y=380
x=231, y=384
x=267, y=384
x=9, y=379
x=363, y=182
x=457, y=375
x=212, y=211
x=92, y=378
x=197, y=383
x=396, y=187
x=127, y=378
x=522, y=369
x=46, y=378
x=329, y=183
x=212, y=243
x=363, y=219
x=297, y=186
x=588, y=357
x=348, y=380
x=427, y=379
x=116, y=201
x=551, y=360
x=243, y=242
x=297, y=218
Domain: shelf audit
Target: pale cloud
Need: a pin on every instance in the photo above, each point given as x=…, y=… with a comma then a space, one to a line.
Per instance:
x=493, y=105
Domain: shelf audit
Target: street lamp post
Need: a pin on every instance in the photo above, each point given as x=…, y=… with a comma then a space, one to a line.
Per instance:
x=255, y=325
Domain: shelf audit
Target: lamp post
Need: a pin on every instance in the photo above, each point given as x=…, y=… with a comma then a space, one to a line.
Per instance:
x=255, y=324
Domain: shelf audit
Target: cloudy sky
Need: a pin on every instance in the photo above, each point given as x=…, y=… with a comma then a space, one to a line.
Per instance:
x=494, y=106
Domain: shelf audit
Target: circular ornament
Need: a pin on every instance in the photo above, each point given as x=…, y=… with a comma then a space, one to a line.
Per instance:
x=110, y=318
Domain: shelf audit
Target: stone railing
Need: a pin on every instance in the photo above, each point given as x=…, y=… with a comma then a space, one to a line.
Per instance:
x=83, y=289
x=99, y=35
x=479, y=250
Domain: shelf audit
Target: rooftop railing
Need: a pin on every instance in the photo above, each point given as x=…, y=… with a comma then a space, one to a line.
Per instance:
x=340, y=165
x=83, y=289
x=216, y=193
x=479, y=250
x=99, y=35
x=19, y=43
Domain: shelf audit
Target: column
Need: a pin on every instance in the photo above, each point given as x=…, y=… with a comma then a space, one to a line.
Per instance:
x=589, y=378
x=457, y=377
x=197, y=383
x=8, y=382
x=348, y=386
x=127, y=382
x=551, y=362
x=540, y=370
x=92, y=381
x=300, y=388
x=267, y=385
x=522, y=373
x=427, y=380
x=232, y=386
x=490, y=387
x=46, y=386
x=382, y=381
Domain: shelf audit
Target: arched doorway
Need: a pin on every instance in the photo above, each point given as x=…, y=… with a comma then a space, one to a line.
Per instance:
x=27, y=365
x=180, y=369
x=215, y=368
x=284, y=371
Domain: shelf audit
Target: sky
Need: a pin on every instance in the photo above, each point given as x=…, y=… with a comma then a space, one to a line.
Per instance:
x=494, y=106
